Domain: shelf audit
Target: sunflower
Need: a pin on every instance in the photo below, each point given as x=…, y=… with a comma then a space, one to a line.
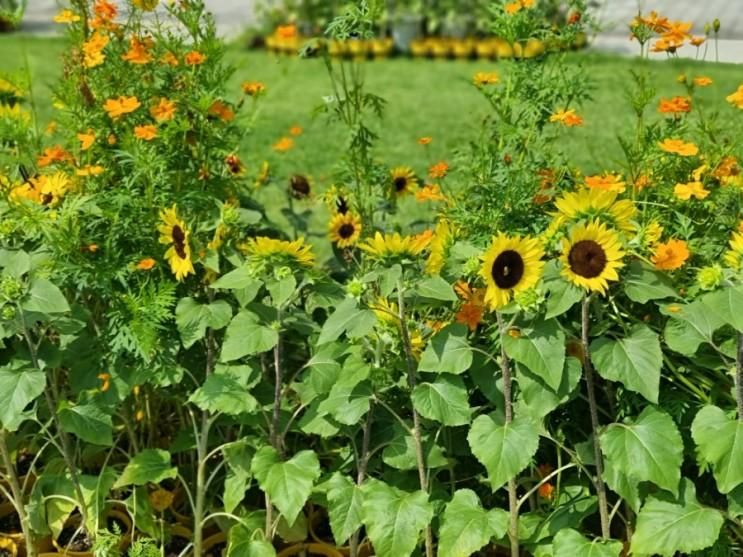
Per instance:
x=595, y=203
x=279, y=251
x=384, y=246
x=345, y=229
x=591, y=256
x=403, y=180
x=511, y=265
x=443, y=237
x=174, y=232
x=734, y=256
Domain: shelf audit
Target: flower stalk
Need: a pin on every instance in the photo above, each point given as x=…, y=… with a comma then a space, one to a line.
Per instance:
x=17, y=493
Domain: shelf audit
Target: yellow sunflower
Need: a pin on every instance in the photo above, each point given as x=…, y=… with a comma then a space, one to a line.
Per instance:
x=734, y=256
x=279, y=251
x=345, y=229
x=596, y=203
x=403, y=180
x=511, y=265
x=591, y=256
x=443, y=237
x=173, y=232
x=384, y=246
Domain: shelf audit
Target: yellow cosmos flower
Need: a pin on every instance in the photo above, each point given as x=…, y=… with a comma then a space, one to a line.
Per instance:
x=592, y=256
x=511, y=265
x=145, y=5
x=271, y=250
x=567, y=118
x=403, y=180
x=173, y=232
x=383, y=246
x=481, y=79
x=670, y=255
x=691, y=189
x=679, y=147
x=345, y=229
x=66, y=16
x=736, y=99
x=597, y=204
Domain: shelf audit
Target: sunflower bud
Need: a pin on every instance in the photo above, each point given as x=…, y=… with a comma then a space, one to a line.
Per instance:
x=356, y=288
x=8, y=313
x=472, y=266
x=11, y=288
x=710, y=278
x=716, y=25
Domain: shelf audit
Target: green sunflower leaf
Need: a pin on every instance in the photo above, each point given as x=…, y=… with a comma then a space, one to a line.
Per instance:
x=467, y=527
x=570, y=543
x=448, y=352
x=720, y=443
x=541, y=348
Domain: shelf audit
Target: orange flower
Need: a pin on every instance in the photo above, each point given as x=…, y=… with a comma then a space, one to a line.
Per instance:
x=235, y=165
x=66, y=16
x=90, y=170
x=430, y=192
x=138, y=52
x=485, y=78
x=146, y=264
x=513, y=7
x=195, y=58
x=567, y=118
x=679, y=147
x=116, y=108
x=105, y=380
x=607, y=182
x=727, y=170
x=286, y=31
x=111, y=139
x=86, y=139
x=671, y=255
x=547, y=491
x=283, y=145
x=676, y=105
x=698, y=41
x=471, y=314
x=169, y=59
x=105, y=10
x=296, y=131
x=54, y=154
x=689, y=190
x=163, y=111
x=93, y=50
x=439, y=170
x=253, y=88
x=654, y=21
x=736, y=98
x=147, y=132
x=221, y=110
x=677, y=32
x=702, y=81
x=642, y=182
x=425, y=140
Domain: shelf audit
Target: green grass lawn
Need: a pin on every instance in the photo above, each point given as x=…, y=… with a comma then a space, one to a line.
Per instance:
x=433, y=98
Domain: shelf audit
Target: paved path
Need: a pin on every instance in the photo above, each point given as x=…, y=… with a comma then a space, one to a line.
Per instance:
x=232, y=16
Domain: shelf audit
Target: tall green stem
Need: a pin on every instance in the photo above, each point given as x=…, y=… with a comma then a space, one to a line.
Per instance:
x=513, y=501
x=412, y=380
x=17, y=492
x=739, y=378
x=361, y=470
x=275, y=436
x=593, y=408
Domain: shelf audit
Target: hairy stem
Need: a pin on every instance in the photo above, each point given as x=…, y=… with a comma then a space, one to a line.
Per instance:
x=417, y=437
x=17, y=492
x=361, y=471
x=593, y=407
x=513, y=501
x=739, y=378
x=276, y=437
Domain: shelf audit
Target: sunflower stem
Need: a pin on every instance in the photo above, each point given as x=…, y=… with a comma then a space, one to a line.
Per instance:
x=361, y=472
x=739, y=378
x=513, y=501
x=595, y=425
x=417, y=437
x=17, y=492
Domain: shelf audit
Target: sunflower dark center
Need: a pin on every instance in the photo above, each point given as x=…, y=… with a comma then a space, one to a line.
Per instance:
x=300, y=186
x=587, y=259
x=400, y=183
x=508, y=269
x=346, y=230
x=179, y=241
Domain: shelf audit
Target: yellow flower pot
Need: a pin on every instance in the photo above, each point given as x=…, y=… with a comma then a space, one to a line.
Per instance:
x=8, y=545
x=534, y=48
x=419, y=48
x=463, y=48
x=485, y=49
x=310, y=549
x=503, y=49
x=381, y=48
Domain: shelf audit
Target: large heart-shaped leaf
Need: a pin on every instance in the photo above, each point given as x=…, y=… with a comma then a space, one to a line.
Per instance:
x=541, y=348
x=444, y=400
x=89, y=422
x=467, y=527
x=19, y=386
x=347, y=318
x=345, y=507
x=720, y=442
x=148, y=466
x=504, y=449
x=245, y=336
x=448, y=351
x=650, y=449
x=193, y=318
x=635, y=361
x=570, y=543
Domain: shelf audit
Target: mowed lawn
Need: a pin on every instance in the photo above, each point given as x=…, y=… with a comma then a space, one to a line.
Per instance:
x=431, y=98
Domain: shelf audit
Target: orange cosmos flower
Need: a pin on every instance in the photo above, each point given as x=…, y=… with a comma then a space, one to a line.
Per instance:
x=439, y=170
x=195, y=58
x=286, y=31
x=702, y=81
x=90, y=170
x=430, y=192
x=111, y=139
x=146, y=264
x=679, y=147
x=169, y=59
x=698, y=41
x=689, y=190
x=283, y=145
x=606, y=182
x=425, y=140
x=677, y=32
x=147, y=132
x=671, y=255
x=727, y=169
x=66, y=16
x=655, y=21
x=253, y=88
x=471, y=314
x=105, y=380
x=547, y=491
x=675, y=105
x=163, y=111
x=221, y=110
x=86, y=139
x=296, y=131
x=93, y=50
x=567, y=118
x=54, y=154
x=736, y=98
x=105, y=10
x=138, y=52
x=116, y=108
